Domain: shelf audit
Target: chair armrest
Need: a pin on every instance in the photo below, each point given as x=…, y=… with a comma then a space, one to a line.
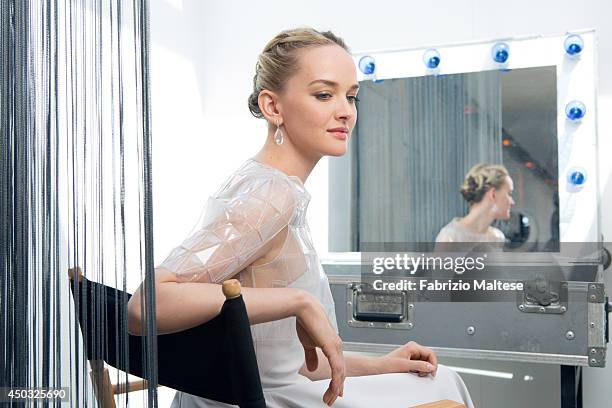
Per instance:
x=231, y=288
x=441, y=404
x=130, y=386
x=75, y=272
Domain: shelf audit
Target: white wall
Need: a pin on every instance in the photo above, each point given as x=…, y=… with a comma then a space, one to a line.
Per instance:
x=203, y=57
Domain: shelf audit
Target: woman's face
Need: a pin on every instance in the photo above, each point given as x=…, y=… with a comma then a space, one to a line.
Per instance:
x=503, y=199
x=318, y=102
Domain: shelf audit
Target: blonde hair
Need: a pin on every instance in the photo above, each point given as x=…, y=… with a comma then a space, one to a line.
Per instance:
x=480, y=179
x=279, y=60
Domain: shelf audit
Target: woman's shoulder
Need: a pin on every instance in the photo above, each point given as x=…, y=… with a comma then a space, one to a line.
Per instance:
x=497, y=234
x=254, y=178
x=452, y=226
x=448, y=233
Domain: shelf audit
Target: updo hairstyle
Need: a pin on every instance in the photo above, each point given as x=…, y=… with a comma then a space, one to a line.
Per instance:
x=279, y=60
x=480, y=179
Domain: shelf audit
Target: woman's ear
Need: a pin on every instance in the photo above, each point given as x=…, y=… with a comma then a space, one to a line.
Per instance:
x=270, y=106
x=492, y=193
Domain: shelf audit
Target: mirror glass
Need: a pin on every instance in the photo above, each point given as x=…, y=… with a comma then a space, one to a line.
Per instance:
x=417, y=137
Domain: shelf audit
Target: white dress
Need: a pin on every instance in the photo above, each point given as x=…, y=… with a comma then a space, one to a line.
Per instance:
x=254, y=205
x=456, y=232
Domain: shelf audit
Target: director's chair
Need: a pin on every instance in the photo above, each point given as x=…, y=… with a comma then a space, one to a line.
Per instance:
x=215, y=360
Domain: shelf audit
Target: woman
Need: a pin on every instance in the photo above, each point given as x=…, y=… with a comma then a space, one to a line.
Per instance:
x=254, y=228
x=488, y=190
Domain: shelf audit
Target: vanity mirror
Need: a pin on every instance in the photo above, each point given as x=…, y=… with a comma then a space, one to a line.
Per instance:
x=427, y=115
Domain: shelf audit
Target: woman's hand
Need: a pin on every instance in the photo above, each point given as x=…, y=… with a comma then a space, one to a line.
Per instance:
x=410, y=358
x=314, y=330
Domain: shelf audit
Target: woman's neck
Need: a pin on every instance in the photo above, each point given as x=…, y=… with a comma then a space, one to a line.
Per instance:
x=479, y=219
x=287, y=159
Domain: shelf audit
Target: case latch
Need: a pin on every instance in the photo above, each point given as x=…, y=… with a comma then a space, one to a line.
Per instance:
x=367, y=307
x=543, y=296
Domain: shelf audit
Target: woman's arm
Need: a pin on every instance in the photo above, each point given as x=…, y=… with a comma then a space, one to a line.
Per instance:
x=180, y=306
x=356, y=366
x=411, y=357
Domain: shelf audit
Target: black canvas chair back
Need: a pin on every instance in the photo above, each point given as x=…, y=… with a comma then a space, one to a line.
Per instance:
x=215, y=360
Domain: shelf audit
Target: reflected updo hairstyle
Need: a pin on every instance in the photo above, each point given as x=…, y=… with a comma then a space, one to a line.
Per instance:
x=279, y=60
x=480, y=179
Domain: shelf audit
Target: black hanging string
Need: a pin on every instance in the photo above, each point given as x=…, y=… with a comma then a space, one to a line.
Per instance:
x=7, y=73
x=141, y=10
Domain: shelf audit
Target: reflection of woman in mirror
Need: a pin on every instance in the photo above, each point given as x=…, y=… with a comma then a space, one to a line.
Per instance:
x=254, y=228
x=488, y=190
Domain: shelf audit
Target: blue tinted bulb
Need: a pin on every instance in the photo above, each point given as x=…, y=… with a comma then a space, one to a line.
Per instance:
x=367, y=65
x=573, y=44
x=575, y=110
x=431, y=58
x=500, y=52
x=577, y=177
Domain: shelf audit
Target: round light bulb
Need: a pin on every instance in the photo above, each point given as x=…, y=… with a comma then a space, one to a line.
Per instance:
x=577, y=177
x=575, y=110
x=431, y=58
x=367, y=65
x=500, y=52
x=573, y=45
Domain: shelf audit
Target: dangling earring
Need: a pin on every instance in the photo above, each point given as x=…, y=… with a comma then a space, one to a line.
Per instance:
x=278, y=135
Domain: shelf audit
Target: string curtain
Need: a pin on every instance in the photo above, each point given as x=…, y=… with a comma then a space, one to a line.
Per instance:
x=75, y=185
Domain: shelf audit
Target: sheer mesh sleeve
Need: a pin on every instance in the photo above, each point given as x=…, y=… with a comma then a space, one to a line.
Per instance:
x=234, y=228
